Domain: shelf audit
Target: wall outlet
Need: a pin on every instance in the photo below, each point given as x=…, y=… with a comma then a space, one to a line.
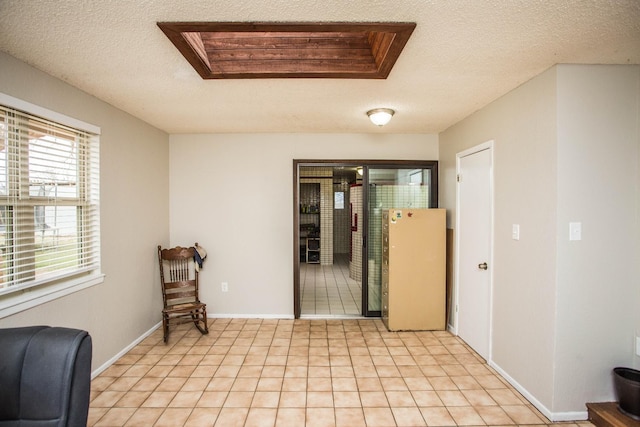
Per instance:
x=637, y=346
x=225, y=287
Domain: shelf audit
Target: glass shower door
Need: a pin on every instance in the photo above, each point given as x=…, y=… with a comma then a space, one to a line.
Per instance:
x=392, y=188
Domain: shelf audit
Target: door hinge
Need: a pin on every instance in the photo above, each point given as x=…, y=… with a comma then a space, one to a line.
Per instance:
x=456, y=308
x=458, y=178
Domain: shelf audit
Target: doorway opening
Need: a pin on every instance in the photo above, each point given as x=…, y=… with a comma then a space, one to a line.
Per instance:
x=330, y=276
x=337, y=210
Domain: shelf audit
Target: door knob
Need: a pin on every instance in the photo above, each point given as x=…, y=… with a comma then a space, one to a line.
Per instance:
x=482, y=266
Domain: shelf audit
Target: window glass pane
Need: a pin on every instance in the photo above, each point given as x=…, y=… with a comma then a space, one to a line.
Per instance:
x=49, y=193
x=56, y=239
x=53, y=168
x=4, y=246
x=4, y=182
x=338, y=202
x=389, y=189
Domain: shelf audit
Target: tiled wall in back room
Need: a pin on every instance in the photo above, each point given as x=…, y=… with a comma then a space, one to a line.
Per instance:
x=341, y=226
x=324, y=177
x=355, y=265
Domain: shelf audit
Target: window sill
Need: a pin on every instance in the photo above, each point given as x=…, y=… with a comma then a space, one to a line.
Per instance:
x=23, y=300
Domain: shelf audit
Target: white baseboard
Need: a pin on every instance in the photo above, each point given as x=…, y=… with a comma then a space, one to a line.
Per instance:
x=249, y=316
x=124, y=351
x=569, y=416
x=335, y=317
x=553, y=416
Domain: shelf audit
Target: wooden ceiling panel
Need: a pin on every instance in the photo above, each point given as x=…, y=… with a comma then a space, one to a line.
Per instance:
x=289, y=50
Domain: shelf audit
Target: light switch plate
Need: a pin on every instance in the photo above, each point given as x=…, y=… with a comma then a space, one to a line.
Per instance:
x=575, y=231
x=515, y=231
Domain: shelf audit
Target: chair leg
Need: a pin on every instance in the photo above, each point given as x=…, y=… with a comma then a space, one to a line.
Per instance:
x=204, y=319
x=165, y=327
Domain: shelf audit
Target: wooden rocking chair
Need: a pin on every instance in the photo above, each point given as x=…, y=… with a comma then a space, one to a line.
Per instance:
x=179, y=280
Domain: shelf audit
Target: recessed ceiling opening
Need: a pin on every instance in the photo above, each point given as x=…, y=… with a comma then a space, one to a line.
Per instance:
x=243, y=50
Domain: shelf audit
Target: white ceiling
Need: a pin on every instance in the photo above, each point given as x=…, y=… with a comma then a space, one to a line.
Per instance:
x=462, y=55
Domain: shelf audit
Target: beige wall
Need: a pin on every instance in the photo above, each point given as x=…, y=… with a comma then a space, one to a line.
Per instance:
x=234, y=195
x=521, y=124
x=134, y=216
x=566, y=149
x=599, y=276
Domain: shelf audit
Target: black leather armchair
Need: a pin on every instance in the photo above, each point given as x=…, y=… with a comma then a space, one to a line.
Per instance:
x=45, y=377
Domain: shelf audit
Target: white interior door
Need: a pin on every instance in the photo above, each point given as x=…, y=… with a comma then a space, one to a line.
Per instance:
x=474, y=234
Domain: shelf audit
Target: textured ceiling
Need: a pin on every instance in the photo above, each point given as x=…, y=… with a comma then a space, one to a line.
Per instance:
x=462, y=55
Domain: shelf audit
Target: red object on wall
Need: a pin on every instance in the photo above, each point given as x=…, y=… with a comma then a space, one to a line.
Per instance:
x=354, y=227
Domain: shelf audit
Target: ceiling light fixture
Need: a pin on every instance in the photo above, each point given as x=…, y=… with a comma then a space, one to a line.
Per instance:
x=380, y=116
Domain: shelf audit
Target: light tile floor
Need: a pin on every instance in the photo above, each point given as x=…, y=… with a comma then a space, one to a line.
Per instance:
x=328, y=290
x=254, y=372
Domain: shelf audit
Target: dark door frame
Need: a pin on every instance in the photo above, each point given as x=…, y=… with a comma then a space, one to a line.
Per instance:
x=366, y=164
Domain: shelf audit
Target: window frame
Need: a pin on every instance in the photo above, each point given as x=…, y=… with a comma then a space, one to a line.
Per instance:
x=23, y=298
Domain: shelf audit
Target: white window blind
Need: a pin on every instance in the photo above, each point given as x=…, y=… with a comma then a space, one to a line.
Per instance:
x=49, y=201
